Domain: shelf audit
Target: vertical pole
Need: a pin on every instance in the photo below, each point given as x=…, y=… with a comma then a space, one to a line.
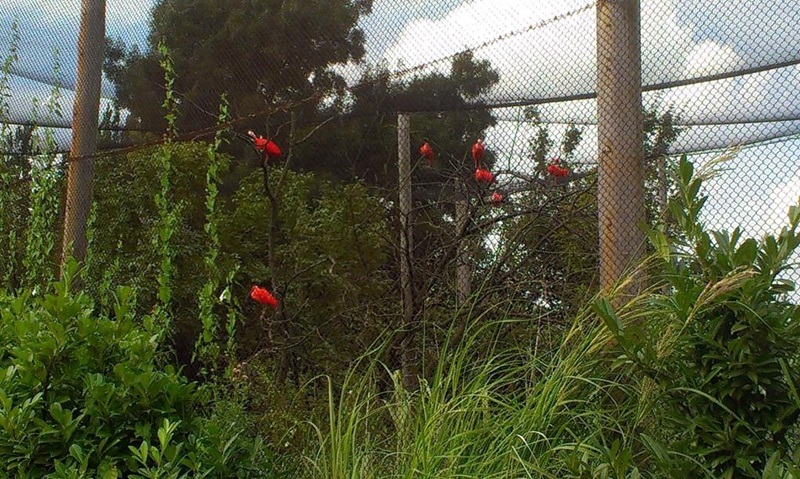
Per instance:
x=620, y=196
x=463, y=269
x=406, y=246
x=662, y=185
x=85, y=118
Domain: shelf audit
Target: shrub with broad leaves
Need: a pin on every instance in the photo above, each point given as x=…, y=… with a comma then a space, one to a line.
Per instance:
x=721, y=339
x=83, y=395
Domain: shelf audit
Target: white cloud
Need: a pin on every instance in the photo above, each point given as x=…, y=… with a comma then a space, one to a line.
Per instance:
x=723, y=104
x=782, y=197
x=556, y=59
x=761, y=32
x=708, y=58
x=539, y=52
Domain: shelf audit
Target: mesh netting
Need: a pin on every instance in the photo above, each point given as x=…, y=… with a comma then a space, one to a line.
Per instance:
x=327, y=79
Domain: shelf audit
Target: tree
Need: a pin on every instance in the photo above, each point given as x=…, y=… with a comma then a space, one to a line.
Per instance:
x=450, y=119
x=549, y=255
x=260, y=52
x=330, y=269
x=330, y=250
x=362, y=141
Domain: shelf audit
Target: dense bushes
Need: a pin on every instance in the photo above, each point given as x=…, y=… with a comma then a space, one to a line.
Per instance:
x=721, y=341
x=83, y=395
x=696, y=377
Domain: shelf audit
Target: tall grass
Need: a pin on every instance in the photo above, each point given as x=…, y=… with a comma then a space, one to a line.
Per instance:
x=694, y=377
x=490, y=414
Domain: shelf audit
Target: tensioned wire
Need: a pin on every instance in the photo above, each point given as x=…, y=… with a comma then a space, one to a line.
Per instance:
x=406, y=72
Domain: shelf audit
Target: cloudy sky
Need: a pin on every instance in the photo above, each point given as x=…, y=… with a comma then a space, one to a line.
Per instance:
x=682, y=39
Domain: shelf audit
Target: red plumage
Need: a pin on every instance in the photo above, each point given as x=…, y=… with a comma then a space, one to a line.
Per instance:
x=478, y=152
x=263, y=296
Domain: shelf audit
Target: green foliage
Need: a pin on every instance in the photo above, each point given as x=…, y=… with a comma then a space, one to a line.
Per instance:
x=45, y=201
x=168, y=207
x=257, y=51
x=207, y=296
x=722, y=341
x=9, y=196
x=331, y=251
x=361, y=145
x=5, y=72
x=701, y=380
x=39, y=261
x=129, y=222
x=548, y=253
x=78, y=391
x=330, y=255
x=30, y=179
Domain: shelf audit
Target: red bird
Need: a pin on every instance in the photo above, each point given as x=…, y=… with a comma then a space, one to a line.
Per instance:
x=268, y=148
x=478, y=152
x=263, y=296
x=427, y=151
x=497, y=198
x=483, y=175
x=557, y=171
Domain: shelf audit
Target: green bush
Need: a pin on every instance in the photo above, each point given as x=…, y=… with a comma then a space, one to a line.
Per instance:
x=721, y=341
x=85, y=396
x=696, y=377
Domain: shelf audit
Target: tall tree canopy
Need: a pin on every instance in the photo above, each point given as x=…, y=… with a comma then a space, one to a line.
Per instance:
x=362, y=144
x=260, y=52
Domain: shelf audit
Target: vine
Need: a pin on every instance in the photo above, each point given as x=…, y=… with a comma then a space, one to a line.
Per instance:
x=8, y=242
x=44, y=193
x=168, y=217
x=205, y=347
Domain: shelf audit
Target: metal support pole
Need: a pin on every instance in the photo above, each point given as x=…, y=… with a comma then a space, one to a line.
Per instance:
x=85, y=123
x=409, y=366
x=620, y=195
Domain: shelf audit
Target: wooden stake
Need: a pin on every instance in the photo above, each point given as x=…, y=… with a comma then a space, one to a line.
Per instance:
x=409, y=367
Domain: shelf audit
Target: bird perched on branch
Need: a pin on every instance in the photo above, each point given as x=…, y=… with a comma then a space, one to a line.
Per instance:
x=266, y=147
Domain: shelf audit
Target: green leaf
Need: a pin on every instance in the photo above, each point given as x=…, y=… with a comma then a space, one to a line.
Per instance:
x=605, y=310
x=108, y=470
x=747, y=253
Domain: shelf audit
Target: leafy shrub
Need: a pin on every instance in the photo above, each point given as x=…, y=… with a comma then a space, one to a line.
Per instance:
x=722, y=342
x=84, y=396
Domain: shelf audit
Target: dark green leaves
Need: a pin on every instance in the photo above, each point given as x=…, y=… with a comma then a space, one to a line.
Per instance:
x=77, y=388
x=728, y=380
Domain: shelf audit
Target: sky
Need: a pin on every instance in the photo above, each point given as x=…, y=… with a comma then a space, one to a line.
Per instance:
x=681, y=39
